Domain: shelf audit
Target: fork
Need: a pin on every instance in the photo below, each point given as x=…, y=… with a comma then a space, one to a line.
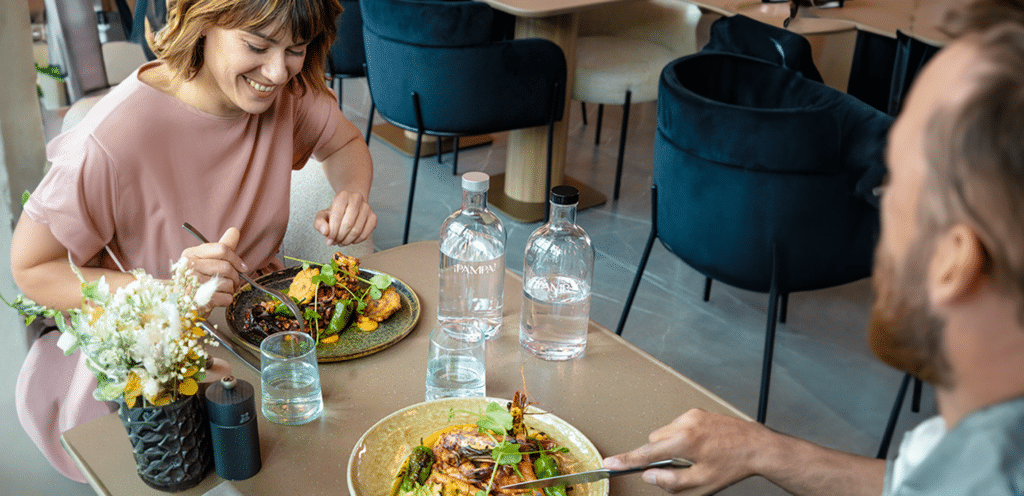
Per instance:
x=270, y=291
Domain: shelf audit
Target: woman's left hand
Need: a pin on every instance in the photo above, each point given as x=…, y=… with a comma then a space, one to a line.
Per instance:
x=348, y=220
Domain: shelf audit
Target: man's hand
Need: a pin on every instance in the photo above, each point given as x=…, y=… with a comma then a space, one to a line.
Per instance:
x=348, y=220
x=720, y=447
x=218, y=259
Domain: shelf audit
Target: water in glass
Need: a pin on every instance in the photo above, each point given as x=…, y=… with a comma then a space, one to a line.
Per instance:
x=556, y=312
x=291, y=392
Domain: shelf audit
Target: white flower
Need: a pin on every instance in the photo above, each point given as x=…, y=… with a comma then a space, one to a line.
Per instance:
x=67, y=342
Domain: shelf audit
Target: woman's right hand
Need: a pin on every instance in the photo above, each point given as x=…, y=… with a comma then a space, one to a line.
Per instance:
x=218, y=259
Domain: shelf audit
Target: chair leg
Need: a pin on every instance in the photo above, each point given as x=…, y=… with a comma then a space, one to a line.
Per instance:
x=369, y=121
x=338, y=88
x=643, y=262
x=555, y=90
x=583, y=107
x=622, y=144
x=707, y=289
x=915, y=404
x=415, y=164
x=769, y=341
x=412, y=186
x=597, y=127
x=783, y=307
x=455, y=156
x=890, y=427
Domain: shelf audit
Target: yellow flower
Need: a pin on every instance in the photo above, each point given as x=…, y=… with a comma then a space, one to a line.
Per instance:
x=132, y=389
x=162, y=399
x=188, y=387
x=191, y=372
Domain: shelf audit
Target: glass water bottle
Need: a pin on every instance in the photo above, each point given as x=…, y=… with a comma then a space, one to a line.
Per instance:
x=472, y=267
x=558, y=270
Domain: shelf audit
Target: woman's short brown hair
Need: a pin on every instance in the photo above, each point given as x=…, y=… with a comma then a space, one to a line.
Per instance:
x=180, y=43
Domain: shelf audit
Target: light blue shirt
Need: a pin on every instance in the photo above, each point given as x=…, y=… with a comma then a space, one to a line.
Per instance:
x=982, y=455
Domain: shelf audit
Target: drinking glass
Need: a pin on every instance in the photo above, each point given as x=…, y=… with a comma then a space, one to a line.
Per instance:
x=290, y=379
x=456, y=364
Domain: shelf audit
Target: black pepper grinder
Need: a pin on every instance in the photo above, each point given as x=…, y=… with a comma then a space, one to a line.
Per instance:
x=236, y=439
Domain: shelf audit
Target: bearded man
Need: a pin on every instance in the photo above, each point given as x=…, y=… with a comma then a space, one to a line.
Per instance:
x=949, y=281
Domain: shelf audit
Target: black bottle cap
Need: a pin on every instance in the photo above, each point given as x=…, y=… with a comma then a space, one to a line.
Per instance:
x=564, y=195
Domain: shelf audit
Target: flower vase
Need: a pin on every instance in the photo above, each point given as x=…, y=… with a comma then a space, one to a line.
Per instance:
x=171, y=443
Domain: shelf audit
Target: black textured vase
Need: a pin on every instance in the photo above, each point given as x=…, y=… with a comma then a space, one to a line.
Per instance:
x=171, y=443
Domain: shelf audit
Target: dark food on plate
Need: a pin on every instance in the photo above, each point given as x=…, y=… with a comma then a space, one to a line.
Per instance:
x=331, y=296
x=478, y=459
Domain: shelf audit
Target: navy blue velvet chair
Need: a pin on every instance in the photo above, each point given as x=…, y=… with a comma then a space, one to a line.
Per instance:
x=761, y=180
x=347, y=58
x=433, y=68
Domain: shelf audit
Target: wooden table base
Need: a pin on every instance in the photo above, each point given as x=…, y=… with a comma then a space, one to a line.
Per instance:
x=533, y=212
x=399, y=140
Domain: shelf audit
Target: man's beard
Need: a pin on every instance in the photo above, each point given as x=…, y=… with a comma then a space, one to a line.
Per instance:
x=903, y=331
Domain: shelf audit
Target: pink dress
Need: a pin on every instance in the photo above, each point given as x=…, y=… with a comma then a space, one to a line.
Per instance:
x=139, y=165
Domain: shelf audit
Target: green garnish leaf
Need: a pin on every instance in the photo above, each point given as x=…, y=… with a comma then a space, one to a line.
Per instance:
x=496, y=418
x=24, y=198
x=310, y=314
x=381, y=282
x=375, y=293
x=506, y=453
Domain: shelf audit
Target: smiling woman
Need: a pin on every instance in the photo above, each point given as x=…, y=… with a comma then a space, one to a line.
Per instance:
x=209, y=134
x=181, y=42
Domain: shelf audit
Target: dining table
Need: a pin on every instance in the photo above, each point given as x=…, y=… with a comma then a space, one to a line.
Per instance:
x=615, y=394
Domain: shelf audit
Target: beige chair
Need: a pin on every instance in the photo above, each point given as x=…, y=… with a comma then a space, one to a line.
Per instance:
x=310, y=192
x=621, y=52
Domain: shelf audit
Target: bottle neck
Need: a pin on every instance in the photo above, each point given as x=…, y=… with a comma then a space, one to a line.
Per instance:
x=474, y=200
x=563, y=215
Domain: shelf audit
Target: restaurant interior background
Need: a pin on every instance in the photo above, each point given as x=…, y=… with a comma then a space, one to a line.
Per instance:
x=826, y=385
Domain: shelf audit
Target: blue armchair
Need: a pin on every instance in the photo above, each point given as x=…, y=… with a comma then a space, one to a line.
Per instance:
x=762, y=180
x=433, y=68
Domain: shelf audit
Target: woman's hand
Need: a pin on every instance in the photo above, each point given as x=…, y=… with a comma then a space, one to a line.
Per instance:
x=348, y=220
x=721, y=448
x=218, y=259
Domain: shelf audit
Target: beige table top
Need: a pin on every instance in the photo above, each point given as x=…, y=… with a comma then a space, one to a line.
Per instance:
x=919, y=18
x=615, y=394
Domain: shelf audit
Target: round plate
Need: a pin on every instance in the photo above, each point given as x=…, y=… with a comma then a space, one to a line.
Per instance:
x=378, y=455
x=350, y=344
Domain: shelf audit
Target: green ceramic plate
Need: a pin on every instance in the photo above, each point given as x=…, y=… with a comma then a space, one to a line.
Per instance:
x=352, y=343
x=379, y=454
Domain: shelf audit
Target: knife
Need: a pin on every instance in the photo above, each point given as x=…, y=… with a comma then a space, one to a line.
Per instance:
x=596, y=475
x=249, y=359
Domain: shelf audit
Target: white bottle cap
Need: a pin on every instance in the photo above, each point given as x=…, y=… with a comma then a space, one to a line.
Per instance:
x=476, y=181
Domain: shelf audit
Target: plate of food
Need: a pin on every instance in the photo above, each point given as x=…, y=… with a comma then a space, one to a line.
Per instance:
x=452, y=446
x=356, y=311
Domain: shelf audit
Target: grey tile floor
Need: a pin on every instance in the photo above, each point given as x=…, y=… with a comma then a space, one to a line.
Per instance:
x=826, y=385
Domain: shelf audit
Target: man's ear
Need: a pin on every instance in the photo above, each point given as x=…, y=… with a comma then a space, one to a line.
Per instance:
x=956, y=267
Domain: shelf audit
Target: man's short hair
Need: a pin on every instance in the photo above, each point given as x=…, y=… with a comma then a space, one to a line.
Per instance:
x=976, y=149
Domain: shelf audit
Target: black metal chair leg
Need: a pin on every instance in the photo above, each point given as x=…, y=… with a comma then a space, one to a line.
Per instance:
x=369, y=121
x=769, y=341
x=622, y=145
x=415, y=165
x=915, y=404
x=412, y=186
x=338, y=87
x=643, y=262
x=583, y=107
x=784, y=307
x=555, y=89
x=707, y=289
x=455, y=156
x=597, y=127
x=890, y=427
